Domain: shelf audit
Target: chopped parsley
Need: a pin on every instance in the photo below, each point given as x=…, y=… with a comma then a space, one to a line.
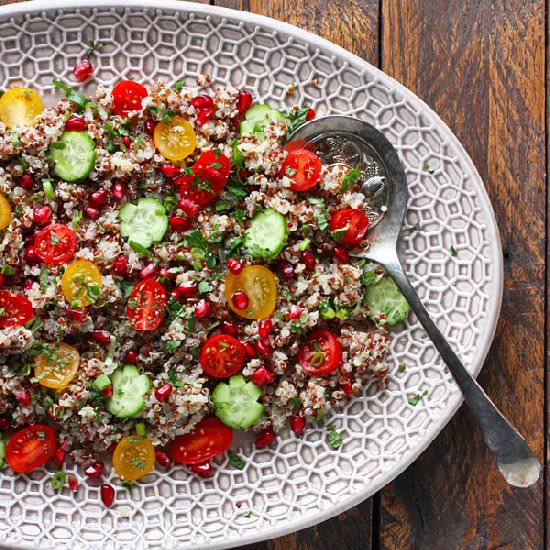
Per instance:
x=334, y=438
x=428, y=168
x=236, y=461
x=178, y=85
x=349, y=180
x=321, y=217
x=402, y=367
x=58, y=480
x=452, y=250
x=415, y=399
x=295, y=118
x=415, y=227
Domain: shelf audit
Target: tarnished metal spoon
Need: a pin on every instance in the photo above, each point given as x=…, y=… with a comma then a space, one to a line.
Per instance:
x=357, y=144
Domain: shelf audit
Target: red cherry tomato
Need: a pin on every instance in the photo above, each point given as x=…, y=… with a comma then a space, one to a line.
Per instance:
x=321, y=353
x=55, y=244
x=303, y=167
x=30, y=448
x=210, y=174
x=299, y=144
x=127, y=96
x=356, y=223
x=15, y=309
x=222, y=356
x=146, y=305
x=210, y=438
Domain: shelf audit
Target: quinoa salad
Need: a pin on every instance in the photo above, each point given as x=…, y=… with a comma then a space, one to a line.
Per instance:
x=173, y=269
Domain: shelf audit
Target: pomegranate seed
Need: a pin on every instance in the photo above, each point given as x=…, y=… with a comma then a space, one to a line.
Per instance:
x=27, y=183
x=4, y=423
x=229, y=327
x=102, y=337
x=75, y=124
x=107, y=392
x=120, y=267
x=150, y=127
x=204, y=469
x=59, y=457
x=73, y=483
x=2, y=279
x=250, y=350
x=83, y=70
x=308, y=259
x=92, y=213
x=341, y=255
x=77, y=313
x=239, y=300
x=264, y=347
x=163, y=392
x=179, y=223
x=24, y=397
x=347, y=388
x=310, y=115
x=99, y=198
x=262, y=376
x=265, y=438
x=118, y=190
x=189, y=207
x=297, y=424
x=264, y=327
x=169, y=171
x=188, y=289
x=42, y=215
x=147, y=271
x=107, y=494
x=286, y=270
x=126, y=141
x=28, y=285
x=235, y=267
x=204, y=116
x=65, y=446
x=30, y=256
x=131, y=357
x=244, y=101
x=202, y=309
x=202, y=102
x=295, y=312
x=94, y=470
x=163, y=459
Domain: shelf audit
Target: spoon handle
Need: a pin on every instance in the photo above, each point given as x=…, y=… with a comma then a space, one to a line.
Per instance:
x=515, y=460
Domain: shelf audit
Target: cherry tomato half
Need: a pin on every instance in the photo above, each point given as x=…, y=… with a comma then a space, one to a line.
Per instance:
x=5, y=212
x=81, y=283
x=303, y=167
x=30, y=448
x=356, y=223
x=176, y=139
x=133, y=457
x=15, y=309
x=210, y=438
x=128, y=96
x=57, y=367
x=222, y=356
x=321, y=353
x=146, y=305
x=19, y=107
x=260, y=287
x=210, y=174
x=55, y=244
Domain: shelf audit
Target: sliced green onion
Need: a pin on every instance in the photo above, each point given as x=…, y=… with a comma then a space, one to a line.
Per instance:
x=58, y=480
x=102, y=382
x=140, y=429
x=317, y=359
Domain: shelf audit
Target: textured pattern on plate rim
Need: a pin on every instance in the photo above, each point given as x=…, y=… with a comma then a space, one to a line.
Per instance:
x=302, y=482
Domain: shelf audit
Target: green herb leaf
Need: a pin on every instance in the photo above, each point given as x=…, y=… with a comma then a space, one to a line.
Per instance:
x=80, y=100
x=349, y=180
x=172, y=345
x=236, y=461
x=334, y=438
x=140, y=249
x=58, y=480
x=203, y=287
x=178, y=85
x=452, y=250
x=368, y=278
x=413, y=401
x=402, y=367
x=295, y=118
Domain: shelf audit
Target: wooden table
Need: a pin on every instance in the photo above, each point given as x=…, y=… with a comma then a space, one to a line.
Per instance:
x=481, y=65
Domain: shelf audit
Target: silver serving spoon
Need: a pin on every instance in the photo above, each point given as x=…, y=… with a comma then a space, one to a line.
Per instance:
x=357, y=144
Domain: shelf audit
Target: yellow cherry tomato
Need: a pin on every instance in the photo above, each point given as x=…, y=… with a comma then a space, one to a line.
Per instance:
x=5, y=212
x=259, y=285
x=19, y=107
x=81, y=283
x=56, y=366
x=133, y=457
x=176, y=139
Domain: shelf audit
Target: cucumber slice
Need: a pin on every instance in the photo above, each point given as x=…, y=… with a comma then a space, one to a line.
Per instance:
x=3, y=446
x=267, y=234
x=129, y=391
x=75, y=158
x=236, y=403
x=385, y=297
x=144, y=223
x=258, y=117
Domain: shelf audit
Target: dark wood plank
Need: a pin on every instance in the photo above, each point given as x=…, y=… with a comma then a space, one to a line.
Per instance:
x=480, y=65
x=355, y=28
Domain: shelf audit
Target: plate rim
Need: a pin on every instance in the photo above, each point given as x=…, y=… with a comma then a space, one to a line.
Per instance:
x=492, y=315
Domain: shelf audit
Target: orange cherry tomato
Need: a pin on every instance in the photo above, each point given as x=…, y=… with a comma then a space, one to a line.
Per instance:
x=133, y=457
x=5, y=212
x=128, y=96
x=222, y=356
x=81, y=283
x=15, y=309
x=31, y=447
x=175, y=140
x=56, y=366
x=19, y=107
x=259, y=285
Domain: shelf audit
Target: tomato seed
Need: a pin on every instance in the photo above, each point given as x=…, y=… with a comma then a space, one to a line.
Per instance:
x=239, y=300
x=107, y=494
x=42, y=215
x=297, y=424
x=94, y=470
x=83, y=70
x=163, y=459
x=202, y=309
x=265, y=438
x=75, y=124
x=163, y=392
x=235, y=267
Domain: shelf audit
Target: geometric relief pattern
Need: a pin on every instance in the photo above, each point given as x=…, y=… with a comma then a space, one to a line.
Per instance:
x=302, y=481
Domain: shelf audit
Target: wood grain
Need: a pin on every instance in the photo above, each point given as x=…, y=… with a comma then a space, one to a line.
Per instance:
x=480, y=65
